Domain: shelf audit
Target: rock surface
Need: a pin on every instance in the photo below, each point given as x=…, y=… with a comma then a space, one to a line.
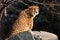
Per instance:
x=34, y=35
x=42, y=35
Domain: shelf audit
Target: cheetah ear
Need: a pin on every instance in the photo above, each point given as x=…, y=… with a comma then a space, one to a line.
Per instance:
x=28, y=6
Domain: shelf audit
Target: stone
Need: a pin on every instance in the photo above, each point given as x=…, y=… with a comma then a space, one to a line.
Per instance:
x=27, y=35
x=43, y=35
x=34, y=35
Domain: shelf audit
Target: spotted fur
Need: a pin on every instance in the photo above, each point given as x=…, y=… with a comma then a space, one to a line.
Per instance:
x=25, y=20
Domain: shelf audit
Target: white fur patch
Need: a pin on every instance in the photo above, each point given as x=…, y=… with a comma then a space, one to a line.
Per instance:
x=37, y=13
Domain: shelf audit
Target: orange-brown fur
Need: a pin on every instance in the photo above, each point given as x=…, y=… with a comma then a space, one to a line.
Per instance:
x=25, y=20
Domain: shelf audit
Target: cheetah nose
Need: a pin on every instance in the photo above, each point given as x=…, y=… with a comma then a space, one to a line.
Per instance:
x=36, y=12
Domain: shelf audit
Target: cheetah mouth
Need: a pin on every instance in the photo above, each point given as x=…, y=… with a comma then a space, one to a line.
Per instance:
x=36, y=13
